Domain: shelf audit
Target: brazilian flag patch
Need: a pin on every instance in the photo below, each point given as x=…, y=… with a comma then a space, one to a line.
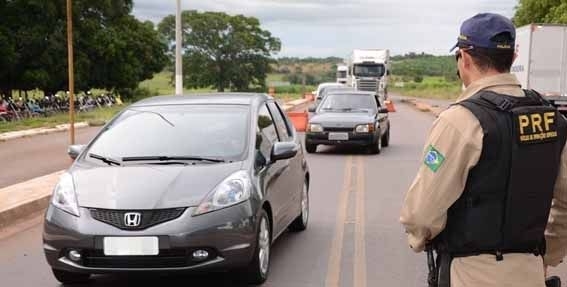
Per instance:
x=433, y=159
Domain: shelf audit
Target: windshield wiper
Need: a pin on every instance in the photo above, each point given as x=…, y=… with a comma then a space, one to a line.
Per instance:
x=106, y=160
x=171, y=158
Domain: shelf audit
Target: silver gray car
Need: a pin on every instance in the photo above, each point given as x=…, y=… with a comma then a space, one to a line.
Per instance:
x=180, y=183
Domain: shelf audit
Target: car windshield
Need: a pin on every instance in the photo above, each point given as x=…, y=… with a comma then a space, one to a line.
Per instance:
x=189, y=131
x=348, y=103
x=369, y=70
x=341, y=74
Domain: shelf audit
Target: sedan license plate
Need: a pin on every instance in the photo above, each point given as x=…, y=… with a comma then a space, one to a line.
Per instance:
x=131, y=246
x=338, y=136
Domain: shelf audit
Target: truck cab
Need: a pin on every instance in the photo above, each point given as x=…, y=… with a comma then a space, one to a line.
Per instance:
x=342, y=72
x=369, y=71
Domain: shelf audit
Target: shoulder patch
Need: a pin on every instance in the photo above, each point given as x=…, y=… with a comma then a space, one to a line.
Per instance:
x=433, y=159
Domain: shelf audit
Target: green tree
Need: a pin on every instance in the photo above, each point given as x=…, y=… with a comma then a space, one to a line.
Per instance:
x=541, y=11
x=223, y=51
x=112, y=49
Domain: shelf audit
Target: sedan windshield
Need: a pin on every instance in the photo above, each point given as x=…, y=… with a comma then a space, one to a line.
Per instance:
x=348, y=103
x=181, y=132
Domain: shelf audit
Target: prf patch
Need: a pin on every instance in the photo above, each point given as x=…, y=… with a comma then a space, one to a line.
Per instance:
x=538, y=127
x=433, y=159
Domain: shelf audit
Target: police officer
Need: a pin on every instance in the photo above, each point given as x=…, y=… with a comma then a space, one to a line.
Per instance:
x=493, y=164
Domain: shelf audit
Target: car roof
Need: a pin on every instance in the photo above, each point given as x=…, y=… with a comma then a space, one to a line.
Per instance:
x=326, y=85
x=353, y=93
x=322, y=85
x=205, y=98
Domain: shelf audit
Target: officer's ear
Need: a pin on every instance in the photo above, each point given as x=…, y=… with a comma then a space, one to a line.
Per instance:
x=467, y=60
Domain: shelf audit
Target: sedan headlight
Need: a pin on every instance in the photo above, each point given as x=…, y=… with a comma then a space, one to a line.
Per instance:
x=315, y=128
x=233, y=190
x=64, y=196
x=366, y=128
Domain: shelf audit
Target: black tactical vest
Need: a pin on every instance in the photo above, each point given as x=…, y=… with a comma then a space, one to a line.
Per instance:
x=506, y=202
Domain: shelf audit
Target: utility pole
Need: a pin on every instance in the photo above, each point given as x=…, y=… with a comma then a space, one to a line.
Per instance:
x=71, y=72
x=178, y=59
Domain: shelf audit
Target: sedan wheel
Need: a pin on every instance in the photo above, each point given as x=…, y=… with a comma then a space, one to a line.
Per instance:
x=386, y=138
x=300, y=223
x=377, y=147
x=257, y=271
x=311, y=148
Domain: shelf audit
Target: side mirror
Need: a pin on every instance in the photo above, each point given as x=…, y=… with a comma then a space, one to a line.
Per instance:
x=383, y=110
x=284, y=150
x=75, y=150
x=312, y=109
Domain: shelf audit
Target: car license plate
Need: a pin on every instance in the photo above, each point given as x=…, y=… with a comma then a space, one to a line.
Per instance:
x=131, y=246
x=338, y=136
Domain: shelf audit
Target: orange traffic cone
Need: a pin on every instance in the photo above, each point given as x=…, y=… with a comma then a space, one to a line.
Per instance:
x=299, y=120
x=390, y=106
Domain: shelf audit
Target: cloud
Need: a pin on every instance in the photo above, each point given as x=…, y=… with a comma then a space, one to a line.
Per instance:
x=333, y=27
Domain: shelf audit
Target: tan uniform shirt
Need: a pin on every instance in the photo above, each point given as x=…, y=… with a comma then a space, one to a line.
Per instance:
x=458, y=137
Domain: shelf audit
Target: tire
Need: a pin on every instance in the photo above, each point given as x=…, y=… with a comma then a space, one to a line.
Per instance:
x=66, y=277
x=311, y=148
x=386, y=138
x=257, y=272
x=376, y=148
x=300, y=223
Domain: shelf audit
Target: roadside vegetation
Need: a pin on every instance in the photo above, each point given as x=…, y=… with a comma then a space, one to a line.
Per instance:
x=425, y=76
x=95, y=117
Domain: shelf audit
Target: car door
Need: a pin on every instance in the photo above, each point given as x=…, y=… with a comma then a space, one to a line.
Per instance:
x=292, y=177
x=274, y=187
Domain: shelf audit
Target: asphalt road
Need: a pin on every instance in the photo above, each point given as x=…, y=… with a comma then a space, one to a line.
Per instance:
x=26, y=158
x=353, y=238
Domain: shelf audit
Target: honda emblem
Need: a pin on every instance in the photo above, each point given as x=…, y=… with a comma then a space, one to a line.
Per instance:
x=132, y=219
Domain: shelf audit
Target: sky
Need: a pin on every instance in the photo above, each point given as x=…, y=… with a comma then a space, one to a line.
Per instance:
x=322, y=28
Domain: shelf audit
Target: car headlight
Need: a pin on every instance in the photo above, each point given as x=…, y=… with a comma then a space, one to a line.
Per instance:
x=315, y=128
x=233, y=190
x=64, y=196
x=366, y=128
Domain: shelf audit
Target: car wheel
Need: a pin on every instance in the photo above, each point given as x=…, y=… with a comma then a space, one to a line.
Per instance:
x=300, y=223
x=257, y=271
x=386, y=138
x=376, y=148
x=66, y=277
x=311, y=148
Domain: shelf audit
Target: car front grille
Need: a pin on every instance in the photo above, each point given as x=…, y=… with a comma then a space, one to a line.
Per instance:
x=148, y=218
x=338, y=129
x=367, y=85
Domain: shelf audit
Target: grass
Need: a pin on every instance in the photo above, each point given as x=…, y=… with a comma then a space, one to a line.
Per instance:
x=275, y=78
x=161, y=85
x=430, y=87
x=96, y=117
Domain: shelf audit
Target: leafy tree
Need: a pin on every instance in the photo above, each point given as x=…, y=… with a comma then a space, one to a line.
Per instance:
x=223, y=51
x=112, y=49
x=541, y=11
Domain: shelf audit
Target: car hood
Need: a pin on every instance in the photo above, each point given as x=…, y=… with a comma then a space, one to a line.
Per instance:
x=148, y=186
x=342, y=119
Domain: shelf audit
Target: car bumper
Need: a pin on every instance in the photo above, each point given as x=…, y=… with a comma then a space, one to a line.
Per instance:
x=228, y=235
x=355, y=139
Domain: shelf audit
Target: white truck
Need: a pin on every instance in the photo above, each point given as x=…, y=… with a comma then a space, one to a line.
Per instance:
x=342, y=72
x=368, y=70
x=542, y=61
